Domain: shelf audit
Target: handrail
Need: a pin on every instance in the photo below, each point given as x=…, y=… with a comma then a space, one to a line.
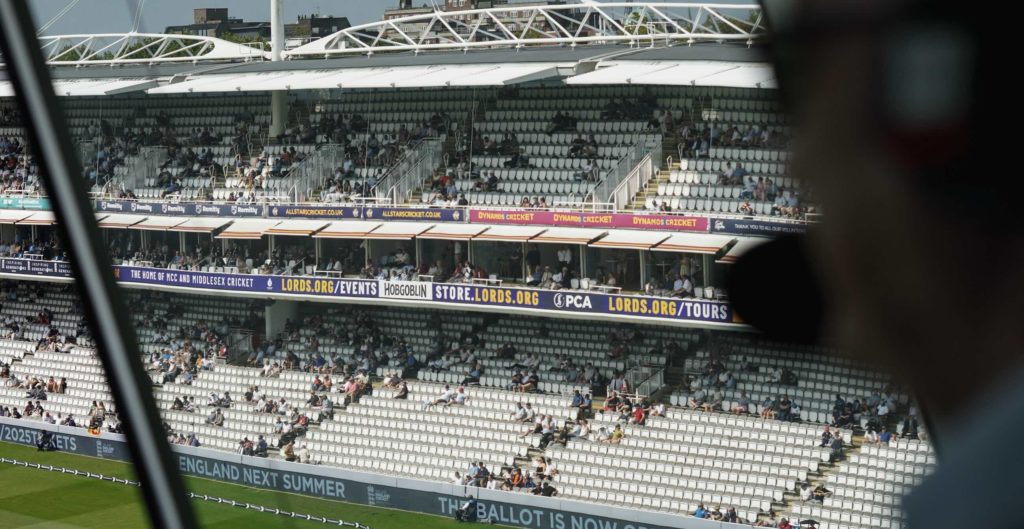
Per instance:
x=604, y=191
x=413, y=169
x=633, y=183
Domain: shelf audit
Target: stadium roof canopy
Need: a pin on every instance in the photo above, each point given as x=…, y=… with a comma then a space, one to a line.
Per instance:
x=586, y=43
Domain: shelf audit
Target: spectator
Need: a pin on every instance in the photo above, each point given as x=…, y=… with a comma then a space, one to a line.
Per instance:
x=444, y=398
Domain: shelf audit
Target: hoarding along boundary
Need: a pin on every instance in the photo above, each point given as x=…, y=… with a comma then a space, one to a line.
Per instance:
x=442, y=499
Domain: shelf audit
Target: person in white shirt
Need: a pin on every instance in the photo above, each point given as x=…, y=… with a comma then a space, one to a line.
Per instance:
x=556, y=280
x=445, y=398
x=564, y=256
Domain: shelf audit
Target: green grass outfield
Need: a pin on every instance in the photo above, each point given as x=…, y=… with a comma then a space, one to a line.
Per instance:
x=38, y=499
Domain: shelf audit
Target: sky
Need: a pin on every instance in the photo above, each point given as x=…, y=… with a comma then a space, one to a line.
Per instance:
x=116, y=16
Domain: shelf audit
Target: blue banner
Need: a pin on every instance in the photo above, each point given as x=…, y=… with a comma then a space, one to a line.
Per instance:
x=182, y=208
x=36, y=267
x=441, y=295
x=585, y=302
x=427, y=214
x=313, y=287
x=766, y=228
x=369, y=213
x=317, y=211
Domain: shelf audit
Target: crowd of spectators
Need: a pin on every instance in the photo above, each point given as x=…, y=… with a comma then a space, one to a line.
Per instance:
x=19, y=172
x=365, y=150
x=537, y=479
x=45, y=248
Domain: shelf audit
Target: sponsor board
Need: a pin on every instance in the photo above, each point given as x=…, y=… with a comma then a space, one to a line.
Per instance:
x=36, y=267
x=590, y=220
x=406, y=290
x=508, y=508
x=440, y=295
x=756, y=227
x=32, y=203
x=180, y=208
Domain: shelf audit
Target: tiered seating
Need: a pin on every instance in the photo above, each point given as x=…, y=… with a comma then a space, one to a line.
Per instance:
x=552, y=173
x=417, y=328
x=693, y=184
x=693, y=180
x=820, y=377
x=216, y=112
x=86, y=381
x=868, y=488
x=390, y=436
x=239, y=420
x=206, y=309
x=673, y=463
x=668, y=465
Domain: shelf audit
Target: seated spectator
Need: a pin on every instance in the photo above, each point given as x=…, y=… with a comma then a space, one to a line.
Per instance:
x=402, y=392
x=216, y=418
x=697, y=400
x=288, y=452
x=444, y=398
x=826, y=437
x=836, y=447
x=260, y=449
x=617, y=435
x=884, y=436
x=742, y=404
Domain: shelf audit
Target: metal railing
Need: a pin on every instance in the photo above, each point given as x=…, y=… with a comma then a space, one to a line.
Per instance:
x=605, y=189
x=313, y=172
x=634, y=182
x=144, y=165
x=412, y=170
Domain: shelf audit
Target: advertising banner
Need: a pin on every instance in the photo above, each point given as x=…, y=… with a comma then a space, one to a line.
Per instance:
x=406, y=290
x=443, y=499
x=65, y=439
x=317, y=211
x=25, y=203
x=311, y=286
x=37, y=267
x=416, y=214
x=368, y=213
x=440, y=295
x=180, y=208
x=756, y=227
x=586, y=302
x=590, y=220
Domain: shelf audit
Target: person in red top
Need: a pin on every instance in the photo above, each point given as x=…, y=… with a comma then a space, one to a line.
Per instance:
x=784, y=524
x=638, y=415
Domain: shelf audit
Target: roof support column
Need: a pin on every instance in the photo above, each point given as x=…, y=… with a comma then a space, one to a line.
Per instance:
x=278, y=101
